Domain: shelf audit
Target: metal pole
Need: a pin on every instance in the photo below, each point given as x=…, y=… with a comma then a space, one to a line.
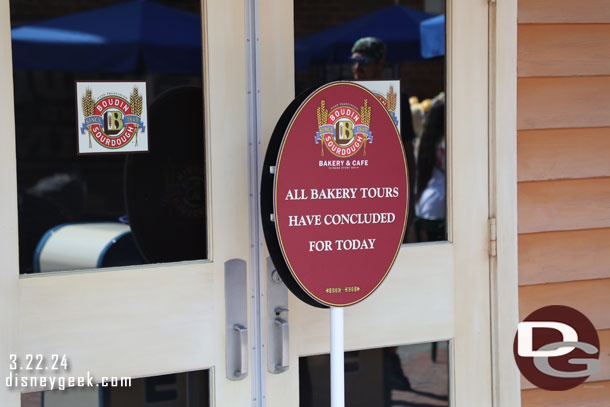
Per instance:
x=337, y=370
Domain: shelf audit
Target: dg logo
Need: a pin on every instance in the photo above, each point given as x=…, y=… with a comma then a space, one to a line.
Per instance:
x=556, y=348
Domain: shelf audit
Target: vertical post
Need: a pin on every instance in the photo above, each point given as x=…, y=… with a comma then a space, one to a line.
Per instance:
x=337, y=369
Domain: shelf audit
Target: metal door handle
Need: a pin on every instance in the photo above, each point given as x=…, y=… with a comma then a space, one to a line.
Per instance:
x=282, y=326
x=278, y=331
x=242, y=357
x=236, y=319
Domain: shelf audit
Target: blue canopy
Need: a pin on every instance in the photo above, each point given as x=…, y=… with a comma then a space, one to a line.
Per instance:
x=112, y=39
x=433, y=37
x=398, y=26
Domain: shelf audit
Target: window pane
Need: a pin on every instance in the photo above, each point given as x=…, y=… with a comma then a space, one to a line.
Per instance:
x=173, y=390
x=408, y=375
x=404, y=40
x=114, y=207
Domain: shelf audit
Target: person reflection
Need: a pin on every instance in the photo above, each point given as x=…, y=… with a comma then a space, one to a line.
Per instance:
x=368, y=58
x=368, y=61
x=430, y=202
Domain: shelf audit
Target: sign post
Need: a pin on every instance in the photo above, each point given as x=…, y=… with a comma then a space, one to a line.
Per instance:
x=337, y=371
x=334, y=199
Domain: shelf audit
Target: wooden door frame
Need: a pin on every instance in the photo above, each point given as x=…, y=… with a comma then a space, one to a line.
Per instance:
x=503, y=60
x=503, y=199
x=224, y=135
x=9, y=278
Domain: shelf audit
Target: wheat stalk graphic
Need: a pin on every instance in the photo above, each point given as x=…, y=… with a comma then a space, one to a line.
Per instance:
x=391, y=97
x=365, y=114
x=322, y=114
x=88, y=109
x=136, y=105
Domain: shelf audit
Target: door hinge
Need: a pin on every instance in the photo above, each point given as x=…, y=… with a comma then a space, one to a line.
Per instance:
x=493, y=235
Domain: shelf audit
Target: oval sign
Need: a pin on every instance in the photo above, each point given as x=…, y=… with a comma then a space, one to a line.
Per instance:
x=340, y=194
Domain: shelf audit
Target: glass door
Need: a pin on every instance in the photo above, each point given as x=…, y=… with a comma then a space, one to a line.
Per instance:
x=423, y=338
x=178, y=323
x=134, y=266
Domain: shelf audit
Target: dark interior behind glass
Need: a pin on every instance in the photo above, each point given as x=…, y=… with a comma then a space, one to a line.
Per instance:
x=191, y=389
x=406, y=375
x=160, y=195
x=413, y=32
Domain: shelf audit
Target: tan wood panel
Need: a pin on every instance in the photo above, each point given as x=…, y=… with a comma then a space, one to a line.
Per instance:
x=604, y=361
x=563, y=153
x=594, y=394
x=554, y=257
x=558, y=102
x=563, y=49
x=545, y=206
x=563, y=11
x=9, y=259
x=589, y=297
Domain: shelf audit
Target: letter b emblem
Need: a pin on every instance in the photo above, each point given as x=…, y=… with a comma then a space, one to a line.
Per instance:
x=113, y=123
x=345, y=132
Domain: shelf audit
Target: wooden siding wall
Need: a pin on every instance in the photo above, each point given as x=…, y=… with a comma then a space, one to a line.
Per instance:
x=563, y=123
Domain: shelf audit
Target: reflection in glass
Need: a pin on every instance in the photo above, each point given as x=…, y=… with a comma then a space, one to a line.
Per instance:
x=88, y=211
x=405, y=40
x=413, y=375
x=173, y=390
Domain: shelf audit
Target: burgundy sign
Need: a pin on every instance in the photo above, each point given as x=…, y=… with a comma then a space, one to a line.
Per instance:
x=340, y=194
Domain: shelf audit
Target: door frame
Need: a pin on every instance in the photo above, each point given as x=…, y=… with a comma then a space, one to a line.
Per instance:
x=498, y=37
x=196, y=303
x=503, y=199
x=502, y=132
x=9, y=263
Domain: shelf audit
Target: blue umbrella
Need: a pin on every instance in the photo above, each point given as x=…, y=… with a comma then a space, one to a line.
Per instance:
x=112, y=39
x=398, y=26
x=433, y=37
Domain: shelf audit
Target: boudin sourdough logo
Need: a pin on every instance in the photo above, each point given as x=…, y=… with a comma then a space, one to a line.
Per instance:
x=111, y=117
x=345, y=130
